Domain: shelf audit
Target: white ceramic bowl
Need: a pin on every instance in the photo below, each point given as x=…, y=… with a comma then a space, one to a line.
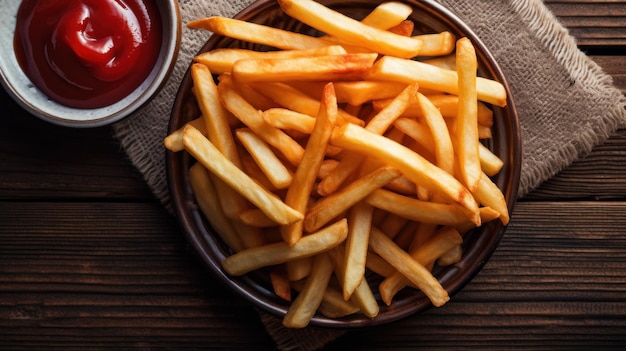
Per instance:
x=17, y=84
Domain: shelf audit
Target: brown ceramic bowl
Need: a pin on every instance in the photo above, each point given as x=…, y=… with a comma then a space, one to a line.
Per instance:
x=479, y=244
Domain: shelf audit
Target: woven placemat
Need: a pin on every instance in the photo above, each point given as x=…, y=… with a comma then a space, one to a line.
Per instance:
x=566, y=104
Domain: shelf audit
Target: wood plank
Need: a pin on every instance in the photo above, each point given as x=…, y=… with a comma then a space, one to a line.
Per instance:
x=582, y=9
x=555, y=282
x=614, y=66
x=130, y=279
x=44, y=161
x=83, y=276
x=592, y=23
x=598, y=175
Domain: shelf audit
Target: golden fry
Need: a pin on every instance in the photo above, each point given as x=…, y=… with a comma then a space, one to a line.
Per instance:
x=206, y=196
x=437, y=44
x=362, y=295
x=221, y=60
x=467, y=119
x=316, y=68
x=305, y=305
x=349, y=30
x=280, y=283
x=270, y=164
x=331, y=206
x=257, y=33
x=253, y=118
x=174, y=141
x=207, y=154
x=411, y=164
x=387, y=15
x=271, y=254
x=417, y=210
x=425, y=254
x=411, y=269
x=359, y=225
x=444, y=152
x=295, y=100
x=306, y=173
x=397, y=69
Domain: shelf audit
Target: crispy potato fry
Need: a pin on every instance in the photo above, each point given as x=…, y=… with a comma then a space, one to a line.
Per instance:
x=362, y=295
x=487, y=214
x=248, y=260
x=254, y=98
x=214, y=113
x=219, y=134
x=467, y=119
x=297, y=101
x=270, y=164
x=299, y=268
x=418, y=132
x=331, y=206
x=404, y=28
x=378, y=125
x=304, y=306
x=396, y=69
x=488, y=194
x=299, y=192
x=417, y=210
x=387, y=15
x=377, y=265
x=256, y=218
x=333, y=305
x=317, y=68
x=490, y=163
x=287, y=119
x=451, y=256
x=363, y=91
x=359, y=225
x=411, y=164
x=174, y=141
x=444, y=152
x=408, y=267
x=280, y=283
x=207, y=154
x=392, y=224
x=259, y=34
x=350, y=30
x=447, y=105
x=425, y=254
x=209, y=204
x=221, y=60
x=445, y=62
x=436, y=44
x=254, y=120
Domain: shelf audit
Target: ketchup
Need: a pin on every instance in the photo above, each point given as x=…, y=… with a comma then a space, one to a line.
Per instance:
x=87, y=53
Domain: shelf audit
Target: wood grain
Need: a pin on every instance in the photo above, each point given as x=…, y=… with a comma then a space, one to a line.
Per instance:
x=89, y=260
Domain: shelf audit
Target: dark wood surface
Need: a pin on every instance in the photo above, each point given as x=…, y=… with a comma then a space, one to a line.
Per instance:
x=90, y=260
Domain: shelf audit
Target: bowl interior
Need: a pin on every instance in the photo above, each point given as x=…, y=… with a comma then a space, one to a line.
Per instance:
x=479, y=244
x=32, y=99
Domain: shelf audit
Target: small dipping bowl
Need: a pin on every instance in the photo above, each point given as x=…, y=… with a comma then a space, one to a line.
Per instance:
x=19, y=86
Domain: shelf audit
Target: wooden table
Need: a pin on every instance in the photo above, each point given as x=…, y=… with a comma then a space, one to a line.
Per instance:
x=90, y=260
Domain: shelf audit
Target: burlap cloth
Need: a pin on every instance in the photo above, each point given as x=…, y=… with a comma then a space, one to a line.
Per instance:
x=566, y=103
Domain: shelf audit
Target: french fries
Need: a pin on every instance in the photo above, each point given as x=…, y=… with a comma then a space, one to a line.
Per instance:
x=344, y=155
x=349, y=30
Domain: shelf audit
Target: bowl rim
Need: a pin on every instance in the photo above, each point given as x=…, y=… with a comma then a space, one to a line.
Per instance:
x=240, y=285
x=23, y=91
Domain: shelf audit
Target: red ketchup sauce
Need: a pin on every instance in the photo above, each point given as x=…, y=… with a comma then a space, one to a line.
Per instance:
x=87, y=53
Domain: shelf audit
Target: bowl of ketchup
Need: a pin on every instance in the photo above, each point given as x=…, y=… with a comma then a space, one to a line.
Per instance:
x=87, y=63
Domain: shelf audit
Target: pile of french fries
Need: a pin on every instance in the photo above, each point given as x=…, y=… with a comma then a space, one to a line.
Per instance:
x=329, y=157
